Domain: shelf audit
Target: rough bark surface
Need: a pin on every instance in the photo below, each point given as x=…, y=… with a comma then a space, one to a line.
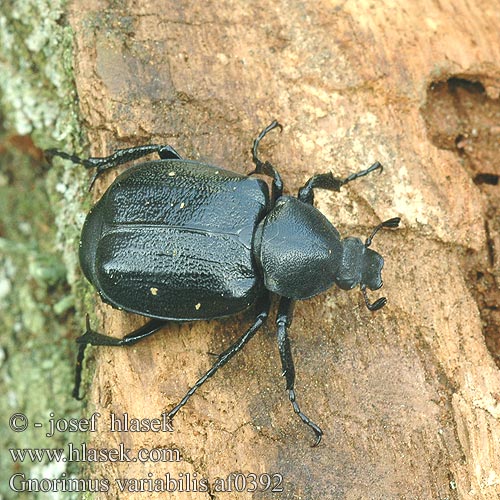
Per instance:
x=409, y=397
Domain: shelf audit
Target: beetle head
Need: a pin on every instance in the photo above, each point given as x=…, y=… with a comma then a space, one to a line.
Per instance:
x=362, y=266
x=359, y=266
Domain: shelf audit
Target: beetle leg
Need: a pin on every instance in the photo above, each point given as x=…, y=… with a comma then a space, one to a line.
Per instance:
x=168, y=153
x=94, y=338
x=376, y=166
x=266, y=168
x=328, y=181
x=78, y=372
x=283, y=321
x=119, y=157
x=228, y=353
x=323, y=181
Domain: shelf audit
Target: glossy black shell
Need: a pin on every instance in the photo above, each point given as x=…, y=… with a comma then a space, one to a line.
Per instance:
x=172, y=239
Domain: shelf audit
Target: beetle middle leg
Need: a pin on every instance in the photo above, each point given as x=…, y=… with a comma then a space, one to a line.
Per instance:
x=283, y=321
x=263, y=306
x=265, y=167
x=328, y=181
x=91, y=337
x=119, y=157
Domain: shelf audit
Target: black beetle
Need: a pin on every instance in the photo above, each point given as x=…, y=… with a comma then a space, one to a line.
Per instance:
x=180, y=240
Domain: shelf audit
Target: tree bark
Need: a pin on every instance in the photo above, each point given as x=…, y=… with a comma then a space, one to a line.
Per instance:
x=408, y=397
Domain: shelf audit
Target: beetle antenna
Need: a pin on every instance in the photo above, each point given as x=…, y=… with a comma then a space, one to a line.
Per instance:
x=394, y=222
x=379, y=303
x=373, y=306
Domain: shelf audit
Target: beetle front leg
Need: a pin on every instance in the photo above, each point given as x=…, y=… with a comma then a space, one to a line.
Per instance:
x=283, y=321
x=91, y=337
x=119, y=157
x=224, y=357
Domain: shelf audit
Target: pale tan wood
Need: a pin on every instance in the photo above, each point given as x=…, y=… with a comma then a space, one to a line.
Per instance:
x=408, y=397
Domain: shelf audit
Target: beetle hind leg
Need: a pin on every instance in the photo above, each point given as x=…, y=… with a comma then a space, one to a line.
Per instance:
x=283, y=321
x=119, y=157
x=225, y=356
x=91, y=337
